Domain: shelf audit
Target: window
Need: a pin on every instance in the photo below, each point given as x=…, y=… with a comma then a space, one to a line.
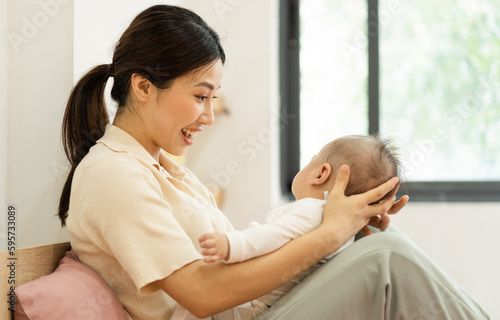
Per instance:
x=426, y=73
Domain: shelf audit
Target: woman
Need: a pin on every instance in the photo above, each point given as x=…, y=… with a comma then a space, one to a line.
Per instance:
x=134, y=216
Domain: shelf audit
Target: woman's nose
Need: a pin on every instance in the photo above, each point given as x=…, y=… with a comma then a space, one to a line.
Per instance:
x=208, y=117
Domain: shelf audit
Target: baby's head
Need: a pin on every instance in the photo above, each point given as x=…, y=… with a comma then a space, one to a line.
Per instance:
x=372, y=161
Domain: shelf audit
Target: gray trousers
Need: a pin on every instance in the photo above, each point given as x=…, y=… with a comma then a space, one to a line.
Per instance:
x=382, y=276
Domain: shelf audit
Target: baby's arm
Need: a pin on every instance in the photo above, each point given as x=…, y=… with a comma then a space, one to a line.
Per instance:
x=215, y=246
x=250, y=243
x=281, y=226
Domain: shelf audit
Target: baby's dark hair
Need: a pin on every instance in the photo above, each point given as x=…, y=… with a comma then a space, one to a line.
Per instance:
x=372, y=161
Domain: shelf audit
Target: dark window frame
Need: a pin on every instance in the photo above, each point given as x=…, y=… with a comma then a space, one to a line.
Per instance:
x=289, y=51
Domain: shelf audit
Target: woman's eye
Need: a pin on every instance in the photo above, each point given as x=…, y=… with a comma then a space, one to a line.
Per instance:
x=202, y=98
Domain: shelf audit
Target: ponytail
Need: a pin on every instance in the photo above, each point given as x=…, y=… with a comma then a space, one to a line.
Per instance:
x=84, y=122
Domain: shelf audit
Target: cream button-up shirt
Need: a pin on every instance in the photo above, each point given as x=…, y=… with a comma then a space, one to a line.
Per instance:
x=134, y=220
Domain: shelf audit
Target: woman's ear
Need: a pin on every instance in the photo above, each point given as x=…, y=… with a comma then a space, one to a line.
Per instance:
x=141, y=87
x=323, y=174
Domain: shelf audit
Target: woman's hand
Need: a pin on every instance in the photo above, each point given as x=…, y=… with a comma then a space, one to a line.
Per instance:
x=345, y=216
x=382, y=222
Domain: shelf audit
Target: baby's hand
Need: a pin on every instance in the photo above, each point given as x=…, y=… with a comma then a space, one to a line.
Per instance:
x=215, y=246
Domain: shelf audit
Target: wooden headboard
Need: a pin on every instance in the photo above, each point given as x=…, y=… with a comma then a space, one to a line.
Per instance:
x=30, y=264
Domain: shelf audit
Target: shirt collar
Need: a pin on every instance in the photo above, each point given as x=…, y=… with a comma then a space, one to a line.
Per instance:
x=119, y=140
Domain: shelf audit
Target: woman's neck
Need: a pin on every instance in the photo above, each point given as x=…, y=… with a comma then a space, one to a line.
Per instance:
x=133, y=125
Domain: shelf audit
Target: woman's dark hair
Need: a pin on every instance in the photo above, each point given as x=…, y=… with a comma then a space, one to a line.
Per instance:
x=162, y=43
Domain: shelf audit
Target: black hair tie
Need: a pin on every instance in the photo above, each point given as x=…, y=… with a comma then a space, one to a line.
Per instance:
x=109, y=70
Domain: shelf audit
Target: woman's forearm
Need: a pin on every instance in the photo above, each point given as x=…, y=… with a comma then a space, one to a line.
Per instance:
x=206, y=289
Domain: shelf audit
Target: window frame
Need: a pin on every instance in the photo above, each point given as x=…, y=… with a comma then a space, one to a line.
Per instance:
x=289, y=71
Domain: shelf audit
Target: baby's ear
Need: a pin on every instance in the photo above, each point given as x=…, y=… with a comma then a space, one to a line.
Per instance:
x=323, y=174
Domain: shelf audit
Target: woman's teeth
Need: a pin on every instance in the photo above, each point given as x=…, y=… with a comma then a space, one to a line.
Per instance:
x=189, y=133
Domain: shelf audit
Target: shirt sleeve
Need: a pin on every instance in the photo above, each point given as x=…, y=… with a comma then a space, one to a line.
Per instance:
x=129, y=218
x=295, y=220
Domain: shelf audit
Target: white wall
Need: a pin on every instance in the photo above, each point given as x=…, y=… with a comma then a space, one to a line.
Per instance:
x=462, y=239
x=40, y=78
x=95, y=38
x=4, y=18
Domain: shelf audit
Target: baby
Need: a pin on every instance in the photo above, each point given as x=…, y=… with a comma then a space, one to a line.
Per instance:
x=372, y=162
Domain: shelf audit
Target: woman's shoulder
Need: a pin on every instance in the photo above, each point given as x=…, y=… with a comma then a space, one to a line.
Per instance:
x=104, y=167
x=102, y=158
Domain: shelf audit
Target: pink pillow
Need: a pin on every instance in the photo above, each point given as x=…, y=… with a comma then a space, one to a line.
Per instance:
x=73, y=291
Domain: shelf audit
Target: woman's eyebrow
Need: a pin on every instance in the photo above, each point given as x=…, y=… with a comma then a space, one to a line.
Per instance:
x=205, y=84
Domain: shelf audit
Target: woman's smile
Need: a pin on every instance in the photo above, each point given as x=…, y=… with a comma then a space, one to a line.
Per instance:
x=188, y=134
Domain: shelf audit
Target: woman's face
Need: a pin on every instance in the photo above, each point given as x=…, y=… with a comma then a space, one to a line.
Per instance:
x=181, y=111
